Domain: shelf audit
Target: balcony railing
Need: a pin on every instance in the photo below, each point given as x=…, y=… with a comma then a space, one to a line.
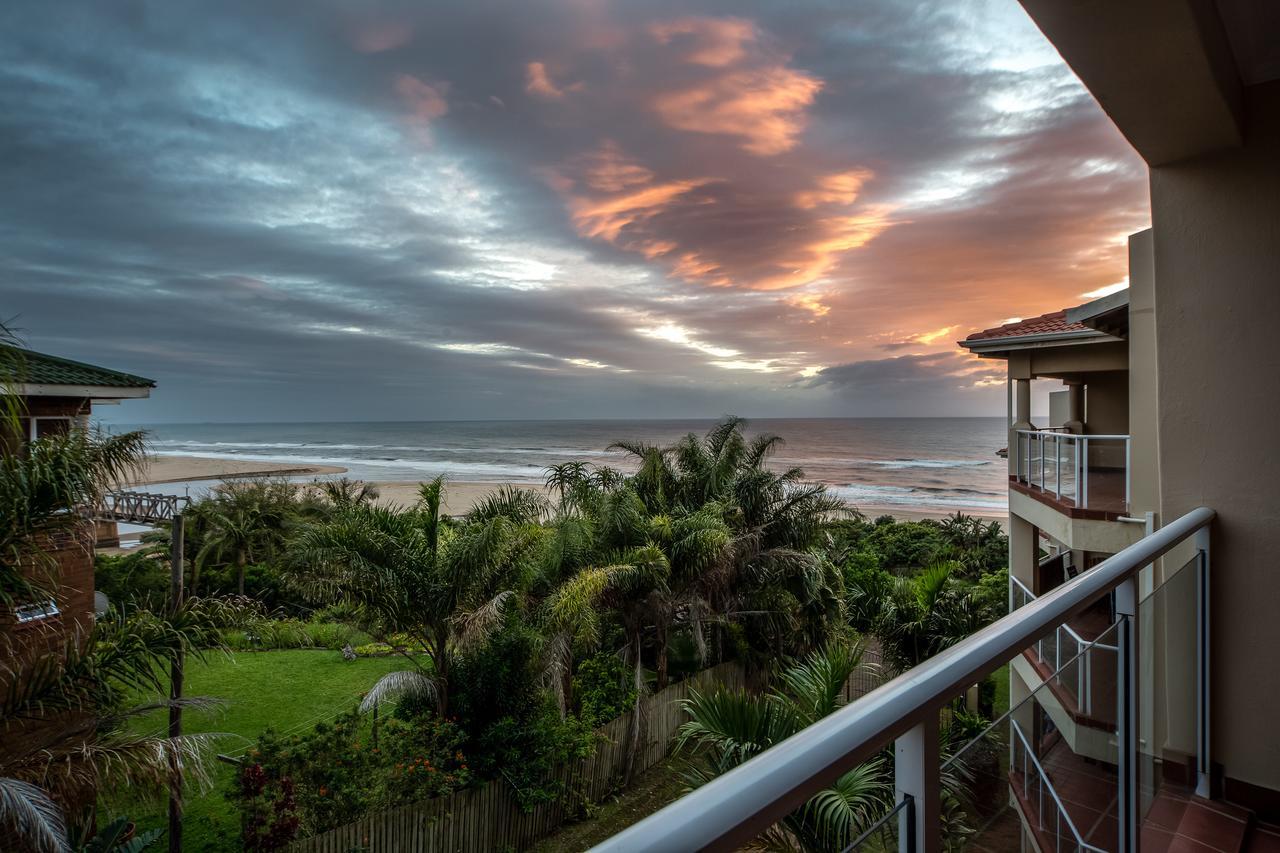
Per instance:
x=1067, y=653
x=738, y=806
x=1090, y=471
x=1049, y=813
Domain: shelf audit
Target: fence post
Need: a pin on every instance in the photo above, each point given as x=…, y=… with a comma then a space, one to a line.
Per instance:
x=917, y=774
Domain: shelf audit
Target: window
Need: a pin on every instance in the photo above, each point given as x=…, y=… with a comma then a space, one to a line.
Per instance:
x=37, y=612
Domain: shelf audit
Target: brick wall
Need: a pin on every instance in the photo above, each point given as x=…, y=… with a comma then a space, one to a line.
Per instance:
x=64, y=565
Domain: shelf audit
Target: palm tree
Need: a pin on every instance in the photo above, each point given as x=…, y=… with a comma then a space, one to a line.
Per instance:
x=346, y=492
x=63, y=716
x=44, y=490
x=244, y=522
x=444, y=587
x=727, y=728
x=922, y=615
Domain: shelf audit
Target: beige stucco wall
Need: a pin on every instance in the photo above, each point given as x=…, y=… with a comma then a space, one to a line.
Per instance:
x=1216, y=254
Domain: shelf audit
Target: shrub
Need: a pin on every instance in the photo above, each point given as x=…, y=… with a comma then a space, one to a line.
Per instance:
x=513, y=728
x=305, y=784
x=137, y=576
x=603, y=688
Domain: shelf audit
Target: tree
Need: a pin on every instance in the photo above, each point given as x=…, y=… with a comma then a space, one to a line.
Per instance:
x=443, y=586
x=922, y=615
x=727, y=728
x=42, y=493
x=63, y=712
x=343, y=492
x=244, y=522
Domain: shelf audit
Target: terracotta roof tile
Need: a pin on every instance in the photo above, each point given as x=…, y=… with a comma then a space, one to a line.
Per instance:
x=1045, y=324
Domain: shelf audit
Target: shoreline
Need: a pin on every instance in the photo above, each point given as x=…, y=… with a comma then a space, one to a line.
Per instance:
x=460, y=495
x=180, y=469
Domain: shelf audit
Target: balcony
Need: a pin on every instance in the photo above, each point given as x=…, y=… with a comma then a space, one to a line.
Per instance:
x=1082, y=476
x=1077, y=664
x=903, y=715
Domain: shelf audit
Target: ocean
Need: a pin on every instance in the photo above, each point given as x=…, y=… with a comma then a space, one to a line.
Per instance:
x=928, y=464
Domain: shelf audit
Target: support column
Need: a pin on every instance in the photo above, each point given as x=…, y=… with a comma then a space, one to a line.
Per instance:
x=917, y=773
x=1075, y=406
x=1021, y=416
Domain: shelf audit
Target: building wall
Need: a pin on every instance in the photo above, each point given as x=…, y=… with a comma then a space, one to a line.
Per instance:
x=66, y=566
x=1216, y=249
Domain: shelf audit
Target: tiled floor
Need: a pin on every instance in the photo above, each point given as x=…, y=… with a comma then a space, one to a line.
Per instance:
x=1176, y=821
x=1106, y=495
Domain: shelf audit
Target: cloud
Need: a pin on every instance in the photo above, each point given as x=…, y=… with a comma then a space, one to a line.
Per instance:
x=714, y=42
x=716, y=212
x=538, y=82
x=910, y=376
x=763, y=107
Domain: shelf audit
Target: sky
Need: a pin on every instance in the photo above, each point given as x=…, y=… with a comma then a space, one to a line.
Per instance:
x=324, y=210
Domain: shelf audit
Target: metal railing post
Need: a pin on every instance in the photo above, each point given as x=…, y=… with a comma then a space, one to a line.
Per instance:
x=1127, y=716
x=1083, y=453
x=1203, y=770
x=1128, y=454
x=1057, y=457
x=917, y=773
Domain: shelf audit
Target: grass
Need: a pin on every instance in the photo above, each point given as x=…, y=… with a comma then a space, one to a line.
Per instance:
x=281, y=690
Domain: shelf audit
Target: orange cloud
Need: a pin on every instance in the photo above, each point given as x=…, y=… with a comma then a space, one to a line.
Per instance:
x=714, y=42
x=606, y=218
x=811, y=302
x=425, y=100
x=765, y=107
x=840, y=188
x=538, y=82
x=607, y=169
x=833, y=237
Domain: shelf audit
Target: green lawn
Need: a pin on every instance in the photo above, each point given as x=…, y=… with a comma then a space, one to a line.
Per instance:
x=280, y=690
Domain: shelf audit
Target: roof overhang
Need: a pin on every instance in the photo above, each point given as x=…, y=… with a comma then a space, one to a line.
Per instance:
x=1164, y=70
x=996, y=347
x=97, y=392
x=1109, y=314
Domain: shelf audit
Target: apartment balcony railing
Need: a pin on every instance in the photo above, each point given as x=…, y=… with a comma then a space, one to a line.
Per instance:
x=1047, y=813
x=1084, y=471
x=1069, y=655
x=903, y=715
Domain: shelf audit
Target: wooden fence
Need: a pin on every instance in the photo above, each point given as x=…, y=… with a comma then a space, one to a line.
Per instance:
x=489, y=818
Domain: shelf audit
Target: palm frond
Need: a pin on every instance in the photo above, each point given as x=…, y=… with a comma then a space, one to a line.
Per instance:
x=33, y=815
x=475, y=626
x=406, y=683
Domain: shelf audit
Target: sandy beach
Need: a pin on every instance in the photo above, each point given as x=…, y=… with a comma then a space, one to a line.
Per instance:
x=460, y=496
x=179, y=469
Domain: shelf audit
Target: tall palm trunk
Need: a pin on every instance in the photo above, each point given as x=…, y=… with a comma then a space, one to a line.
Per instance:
x=440, y=659
x=241, y=560
x=662, y=657
x=637, y=716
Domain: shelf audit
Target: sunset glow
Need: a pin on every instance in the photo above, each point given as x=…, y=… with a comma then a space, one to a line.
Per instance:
x=560, y=206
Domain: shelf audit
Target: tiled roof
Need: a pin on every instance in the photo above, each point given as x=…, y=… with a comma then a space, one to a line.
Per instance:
x=36, y=368
x=1046, y=324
